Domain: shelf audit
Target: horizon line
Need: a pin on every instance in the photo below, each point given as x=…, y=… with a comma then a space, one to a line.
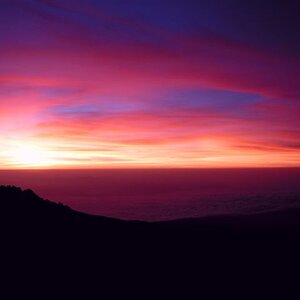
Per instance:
x=152, y=168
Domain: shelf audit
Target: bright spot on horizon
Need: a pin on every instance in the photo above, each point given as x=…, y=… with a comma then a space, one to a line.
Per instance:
x=30, y=156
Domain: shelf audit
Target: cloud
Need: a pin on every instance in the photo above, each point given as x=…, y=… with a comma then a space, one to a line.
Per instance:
x=154, y=84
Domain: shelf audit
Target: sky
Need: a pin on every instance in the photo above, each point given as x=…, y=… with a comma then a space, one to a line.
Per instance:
x=93, y=84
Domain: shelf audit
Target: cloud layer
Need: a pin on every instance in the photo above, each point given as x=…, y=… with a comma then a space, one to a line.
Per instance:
x=150, y=83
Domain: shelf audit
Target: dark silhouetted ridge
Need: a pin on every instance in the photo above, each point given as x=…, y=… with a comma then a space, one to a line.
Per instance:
x=24, y=209
x=21, y=208
x=49, y=244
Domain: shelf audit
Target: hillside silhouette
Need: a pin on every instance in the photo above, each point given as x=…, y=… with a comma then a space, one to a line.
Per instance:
x=22, y=208
x=40, y=238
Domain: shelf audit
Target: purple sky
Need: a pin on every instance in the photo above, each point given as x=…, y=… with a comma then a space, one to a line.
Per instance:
x=89, y=84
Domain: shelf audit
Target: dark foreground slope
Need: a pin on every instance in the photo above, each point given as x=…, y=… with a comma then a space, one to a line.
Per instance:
x=24, y=209
x=51, y=243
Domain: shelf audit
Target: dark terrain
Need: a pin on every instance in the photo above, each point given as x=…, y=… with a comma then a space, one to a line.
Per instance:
x=40, y=238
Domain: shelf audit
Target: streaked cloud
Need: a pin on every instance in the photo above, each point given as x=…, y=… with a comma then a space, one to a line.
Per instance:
x=155, y=83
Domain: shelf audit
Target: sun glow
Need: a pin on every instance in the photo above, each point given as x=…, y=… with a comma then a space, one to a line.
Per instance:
x=30, y=156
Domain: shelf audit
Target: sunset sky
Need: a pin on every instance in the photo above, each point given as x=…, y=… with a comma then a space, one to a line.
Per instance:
x=92, y=83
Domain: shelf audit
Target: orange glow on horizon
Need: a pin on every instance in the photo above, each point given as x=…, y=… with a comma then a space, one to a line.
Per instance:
x=206, y=154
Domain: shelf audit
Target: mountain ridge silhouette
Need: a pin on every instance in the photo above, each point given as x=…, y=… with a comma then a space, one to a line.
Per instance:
x=20, y=202
x=52, y=246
